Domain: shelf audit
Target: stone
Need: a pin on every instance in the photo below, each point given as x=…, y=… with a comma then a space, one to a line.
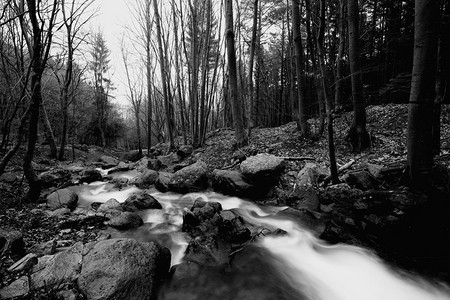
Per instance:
x=58, y=212
x=184, y=151
x=18, y=288
x=145, y=180
x=111, y=204
x=62, y=198
x=109, y=161
x=63, y=267
x=192, y=178
x=306, y=191
x=168, y=160
x=123, y=269
x=154, y=164
x=90, y=175
x=162, y=183
x=46, y=248
x=139, y=201
x=55, y=177
x=361, y=179
x=8, y=177
x=125, y=220
x=231, y=182
x=120, y=182
x=262, y=169
x=12, y=241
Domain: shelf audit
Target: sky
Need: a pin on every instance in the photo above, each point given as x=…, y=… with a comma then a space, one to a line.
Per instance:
x=112, y=18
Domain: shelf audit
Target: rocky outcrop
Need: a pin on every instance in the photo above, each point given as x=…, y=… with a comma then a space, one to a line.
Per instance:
x=192, y=178
x=262, y=169
x=123, y=269
x=62, y=198
x=162, y=183
x=231, y=182
x=139, y=201
x=145, y=180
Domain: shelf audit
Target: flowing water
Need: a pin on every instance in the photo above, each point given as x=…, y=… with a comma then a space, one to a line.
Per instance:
x=310, y=267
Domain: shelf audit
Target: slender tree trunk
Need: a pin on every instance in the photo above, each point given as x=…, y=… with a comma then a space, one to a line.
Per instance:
x=48, y=131
x=163, y=75
x=148, y=37
x=301, y=119
x=420, y=113
x=240, y=136
x=338, y=99
x=357, y=136
x=252, y=100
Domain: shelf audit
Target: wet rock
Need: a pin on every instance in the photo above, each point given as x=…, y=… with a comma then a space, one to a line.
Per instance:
x=60, y=268
x=145, y=180
x=190, y=179
x=139, y=201
x=306, y=192
x=90, y=175
x=120, y=183
x=233, y=229
x=168, y=160
x=154, y=164
x=108, y=161
x=18, y=288
x=231, y=182
x=111, y=204
x=361, y=179
x=162, y=183
x=12, y=241
x=55, y=177
x=132, y=156
x=62, y=198
x=123, y=269
x=121, y=167
x=125, y=220
x=262, y=168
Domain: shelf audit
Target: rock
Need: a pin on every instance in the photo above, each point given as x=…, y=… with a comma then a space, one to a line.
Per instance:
x=139, y=201
x=205, y=210
x=123, y=269
x=185, y=151
x=306, y=192
x=108, y=161
x=125, y=220
x=262, y=169
x=154, y=164
x=90, y=175
x=168, y=160
x=132, y=156
x=120, y=182
x=58, y=212
x=190, y=179
x=121, y=167
x=62, y=198
x=111, y=204
x=145, y=180
x=239, y=155
x=57, y=269
x=67, y=295
x=8, y=177
x=55, y=177
x=231, y=182
x=162, y=183
x=18, y=288
x=47, y=248
x=361, y=179
x=178, y=167
x=233, y=229
x=12, y=241
x=25, y=263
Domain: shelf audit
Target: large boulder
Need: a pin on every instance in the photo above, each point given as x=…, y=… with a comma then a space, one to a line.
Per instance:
x=262, y=169
x=123, y=269
x=55, y=177
x=162, y=183
x=62, y=198
x=146, y=179
x=306, y=191
x=125, y=220
x=192, y=178
x=140, y=200
x=90, y=175
x=231, y=182
x=108, y=161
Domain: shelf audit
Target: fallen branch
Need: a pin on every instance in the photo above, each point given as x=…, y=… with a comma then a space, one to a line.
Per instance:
x=231, y=166
x=340, y=170
x=297, y=158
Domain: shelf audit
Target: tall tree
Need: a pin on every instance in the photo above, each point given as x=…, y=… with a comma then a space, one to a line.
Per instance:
x=357, y=135
x=420, y=110
x=252, y=99
x=301, y=116
x=236, y=105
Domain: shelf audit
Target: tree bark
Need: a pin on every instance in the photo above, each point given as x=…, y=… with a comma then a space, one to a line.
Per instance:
x=252, y=100
x=302, y=123
x=421, y=100
x=240, y=136
x=338, y=100
x=357, y=136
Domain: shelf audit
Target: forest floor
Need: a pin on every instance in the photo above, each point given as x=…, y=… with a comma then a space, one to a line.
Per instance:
x=387, y=125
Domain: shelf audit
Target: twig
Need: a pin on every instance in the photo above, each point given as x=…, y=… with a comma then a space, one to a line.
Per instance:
x=297, y=158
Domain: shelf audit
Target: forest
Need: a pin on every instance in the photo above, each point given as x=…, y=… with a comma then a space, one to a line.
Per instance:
x=223, y=88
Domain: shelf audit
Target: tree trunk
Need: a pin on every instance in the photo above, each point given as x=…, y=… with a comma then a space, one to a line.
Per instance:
x=148, y=29
x=252, y=100
x=338, y=100
x=236, y=105
x=48, y=131
x=302, y=123
x=357, y=136
x=420, y=112
x=163, y=75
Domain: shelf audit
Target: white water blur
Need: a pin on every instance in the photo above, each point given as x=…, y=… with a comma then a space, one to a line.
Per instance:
x=319, y=270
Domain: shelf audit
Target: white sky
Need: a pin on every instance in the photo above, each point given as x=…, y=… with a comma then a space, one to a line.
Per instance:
x=112, y=18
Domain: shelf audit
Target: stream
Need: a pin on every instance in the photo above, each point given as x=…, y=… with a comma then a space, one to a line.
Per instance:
x=300, y=265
